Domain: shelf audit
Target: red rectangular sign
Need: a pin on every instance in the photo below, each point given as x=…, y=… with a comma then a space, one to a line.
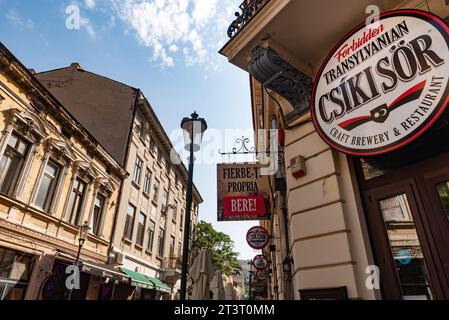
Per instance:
x=244, y=205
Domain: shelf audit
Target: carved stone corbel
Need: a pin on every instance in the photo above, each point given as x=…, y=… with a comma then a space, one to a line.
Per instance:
x=276, y=74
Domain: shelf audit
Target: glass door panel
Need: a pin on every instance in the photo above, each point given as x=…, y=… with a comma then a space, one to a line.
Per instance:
x=405, y=248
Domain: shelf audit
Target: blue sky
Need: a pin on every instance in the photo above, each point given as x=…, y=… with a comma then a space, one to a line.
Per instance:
x=167, y=48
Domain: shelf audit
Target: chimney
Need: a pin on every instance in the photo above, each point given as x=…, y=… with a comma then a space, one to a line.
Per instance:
x=75, y=66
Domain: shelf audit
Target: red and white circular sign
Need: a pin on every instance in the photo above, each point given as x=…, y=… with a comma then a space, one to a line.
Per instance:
x=384, y=84
x=257, y=237
x=262, y=274
x=260, y=262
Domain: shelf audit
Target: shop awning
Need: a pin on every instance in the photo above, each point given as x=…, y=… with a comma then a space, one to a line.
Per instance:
x=160, y=286
x=103, y=270
x=94, y=268
x=138, y=279
x=142, y=281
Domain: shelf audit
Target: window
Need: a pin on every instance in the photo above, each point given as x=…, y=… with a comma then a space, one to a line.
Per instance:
x=141, y=229
x=182, y=219
x=164, y=200
x=76, y=201
x=129, y=223
x=46, y=190
x=167, y=166
x=12, y=162
x=150, y=236
x=160, y=242
x=15, y=269
x=175, y=210
x=142, y=131
x=179, y=249
x=147, y=182
x=159, y=155
x=97, y=213
x=152, y=144
x=195, y=209
x=176, y=180
x=172, y=246
x=156, y=190
x=137, y=170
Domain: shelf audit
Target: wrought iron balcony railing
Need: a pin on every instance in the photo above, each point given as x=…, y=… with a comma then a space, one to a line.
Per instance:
x=249, y=8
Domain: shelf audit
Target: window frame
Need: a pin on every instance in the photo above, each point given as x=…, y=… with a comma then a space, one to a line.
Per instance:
x=50, y=198
x=140, y=234
x=97, y=231
x=18, y=173
x=137, y=174
x=129, y=226
x=151, y=231
x=147, y=181
x=160, y=242
x=69, y=211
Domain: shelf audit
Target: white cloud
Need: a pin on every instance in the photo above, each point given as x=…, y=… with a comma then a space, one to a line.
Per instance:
x=90, y=3
x=111, y=22
x=85, y=23
x=16, y=19
x=174, y=29
x=204, y=10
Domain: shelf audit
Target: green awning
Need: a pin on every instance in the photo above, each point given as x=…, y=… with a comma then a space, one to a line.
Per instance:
x=138, y=279
x=142, y=281
x=160, y=286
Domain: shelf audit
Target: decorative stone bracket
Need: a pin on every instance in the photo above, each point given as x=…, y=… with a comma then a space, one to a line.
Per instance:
x=276, y=74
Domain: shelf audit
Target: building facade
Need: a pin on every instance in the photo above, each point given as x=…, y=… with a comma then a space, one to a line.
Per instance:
x=54, y=177
x=345, y=222
x=148, y=232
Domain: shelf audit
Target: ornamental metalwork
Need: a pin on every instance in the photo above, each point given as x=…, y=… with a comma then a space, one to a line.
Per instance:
x=249, y=8
x=243, y=149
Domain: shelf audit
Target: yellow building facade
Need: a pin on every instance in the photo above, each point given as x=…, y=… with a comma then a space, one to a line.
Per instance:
x=54, y=177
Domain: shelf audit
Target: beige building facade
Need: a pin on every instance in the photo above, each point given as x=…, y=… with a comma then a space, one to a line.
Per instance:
x=147, y=239
x=338, y=224
x=54, y=177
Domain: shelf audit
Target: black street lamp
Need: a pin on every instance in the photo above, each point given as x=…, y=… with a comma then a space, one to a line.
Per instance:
x=193, y=129
x=82, y=235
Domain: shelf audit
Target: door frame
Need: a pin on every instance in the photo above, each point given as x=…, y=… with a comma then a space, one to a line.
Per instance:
x=426, y=207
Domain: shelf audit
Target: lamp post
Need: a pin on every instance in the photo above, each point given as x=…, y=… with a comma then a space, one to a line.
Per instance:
x=193, y=130
x=82, y=232
x=250, y=291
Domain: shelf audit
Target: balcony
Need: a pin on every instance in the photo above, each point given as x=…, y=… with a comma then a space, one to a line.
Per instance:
x=301, y=31
x=172, y=269
x=248, y=9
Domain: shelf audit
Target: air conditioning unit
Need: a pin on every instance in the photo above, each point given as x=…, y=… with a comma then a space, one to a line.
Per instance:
x=119, y=258
x=164, y=209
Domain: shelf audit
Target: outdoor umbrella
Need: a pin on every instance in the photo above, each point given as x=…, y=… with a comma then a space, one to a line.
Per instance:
x=201, y=273
x=217, y=286
x=229, y=291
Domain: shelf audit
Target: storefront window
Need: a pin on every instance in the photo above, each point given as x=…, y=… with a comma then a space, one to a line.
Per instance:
x=443, y=192
x=405, y=248
x=15, y=272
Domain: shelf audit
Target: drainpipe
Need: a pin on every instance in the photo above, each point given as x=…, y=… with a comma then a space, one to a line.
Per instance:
x=283, y=222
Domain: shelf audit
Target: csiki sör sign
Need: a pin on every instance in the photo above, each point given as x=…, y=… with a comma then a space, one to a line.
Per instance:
x=260, y=262
x=384, y=84
x=257, y=237
x=263, y=274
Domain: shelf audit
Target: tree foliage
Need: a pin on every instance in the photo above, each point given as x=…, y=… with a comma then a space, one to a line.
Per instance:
x=220, y=246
